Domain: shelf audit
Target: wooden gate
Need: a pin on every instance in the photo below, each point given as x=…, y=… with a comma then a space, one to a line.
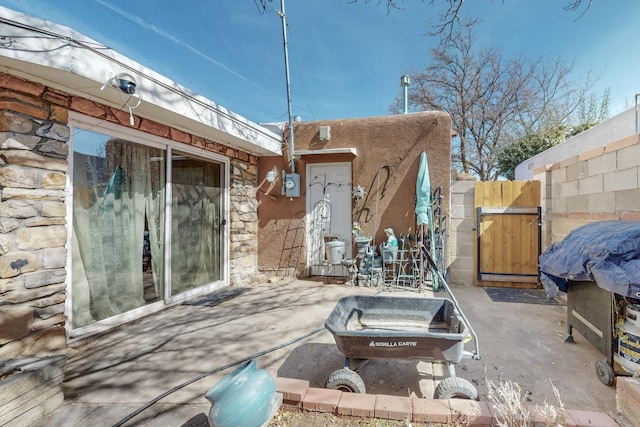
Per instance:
x=508, y=233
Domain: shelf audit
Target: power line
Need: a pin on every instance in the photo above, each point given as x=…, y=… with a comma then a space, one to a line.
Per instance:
x=98, y=51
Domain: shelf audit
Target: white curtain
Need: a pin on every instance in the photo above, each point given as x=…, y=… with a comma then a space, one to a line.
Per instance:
x=195, y=237
x=117, y=197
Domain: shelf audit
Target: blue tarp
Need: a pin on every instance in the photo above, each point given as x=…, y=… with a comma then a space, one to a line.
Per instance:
x=607, y=252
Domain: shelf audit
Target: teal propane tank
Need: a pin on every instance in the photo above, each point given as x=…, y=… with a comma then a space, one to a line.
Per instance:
x=629, y=339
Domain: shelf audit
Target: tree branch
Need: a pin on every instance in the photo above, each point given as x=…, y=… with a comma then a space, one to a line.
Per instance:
x=451, y=19
x=574, y=5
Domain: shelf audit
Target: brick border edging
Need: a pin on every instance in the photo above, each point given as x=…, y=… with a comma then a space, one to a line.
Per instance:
x=298, y=396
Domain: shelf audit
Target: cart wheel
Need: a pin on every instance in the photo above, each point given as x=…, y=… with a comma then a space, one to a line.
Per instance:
x=346, y=380
x=605, y=372
x=455, y=387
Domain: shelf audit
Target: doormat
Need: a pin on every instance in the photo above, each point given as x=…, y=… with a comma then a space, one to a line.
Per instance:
x=527, y=296
x=217, y=297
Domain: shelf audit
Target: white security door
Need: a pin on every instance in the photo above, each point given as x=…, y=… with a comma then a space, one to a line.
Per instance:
x=328, y=213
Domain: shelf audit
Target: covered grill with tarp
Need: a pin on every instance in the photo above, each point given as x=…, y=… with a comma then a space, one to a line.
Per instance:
x=598, y=266
x=607, y=252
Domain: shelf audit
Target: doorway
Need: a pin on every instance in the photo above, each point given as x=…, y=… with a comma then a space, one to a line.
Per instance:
x=509, y=233
x=328, y=214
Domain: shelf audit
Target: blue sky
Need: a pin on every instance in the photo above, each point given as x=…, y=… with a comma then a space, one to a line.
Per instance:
x=345, y=58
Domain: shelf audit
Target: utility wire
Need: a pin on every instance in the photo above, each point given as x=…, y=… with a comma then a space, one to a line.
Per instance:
x=301, y=79
x=97, y=51
x=214, y=371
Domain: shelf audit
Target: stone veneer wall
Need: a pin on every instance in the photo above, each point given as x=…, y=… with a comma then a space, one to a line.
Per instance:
x=599, y=184
x=33, y=167
x=244, y=220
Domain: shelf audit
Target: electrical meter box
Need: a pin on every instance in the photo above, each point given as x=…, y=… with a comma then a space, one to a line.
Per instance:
x=291, y=185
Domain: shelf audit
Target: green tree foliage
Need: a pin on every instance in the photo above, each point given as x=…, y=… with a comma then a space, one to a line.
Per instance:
x=526, y=147
x=590, y=112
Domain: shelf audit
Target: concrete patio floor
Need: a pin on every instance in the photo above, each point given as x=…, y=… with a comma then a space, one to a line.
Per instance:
x=110, y=376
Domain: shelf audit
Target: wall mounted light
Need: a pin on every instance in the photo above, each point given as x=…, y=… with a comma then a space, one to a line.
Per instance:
x=272, y=175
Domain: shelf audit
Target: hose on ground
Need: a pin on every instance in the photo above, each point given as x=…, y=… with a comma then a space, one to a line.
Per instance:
x=214, y=371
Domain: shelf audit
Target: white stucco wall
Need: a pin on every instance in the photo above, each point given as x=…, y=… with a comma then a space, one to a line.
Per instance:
x=614, y=129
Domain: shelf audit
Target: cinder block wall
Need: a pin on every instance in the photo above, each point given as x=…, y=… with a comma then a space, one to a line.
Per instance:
x=462, y=233
x=599, y=184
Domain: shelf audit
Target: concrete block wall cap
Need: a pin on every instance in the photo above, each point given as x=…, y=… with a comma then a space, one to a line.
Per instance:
x=622, y=143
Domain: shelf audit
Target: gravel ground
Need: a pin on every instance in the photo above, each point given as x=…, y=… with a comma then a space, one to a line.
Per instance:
x=299, y=419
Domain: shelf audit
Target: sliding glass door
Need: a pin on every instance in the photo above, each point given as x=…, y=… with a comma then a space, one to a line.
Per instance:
x=130, y=248
x=196, y=220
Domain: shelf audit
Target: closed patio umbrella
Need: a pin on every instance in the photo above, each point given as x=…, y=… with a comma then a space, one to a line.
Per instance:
x=424, y=212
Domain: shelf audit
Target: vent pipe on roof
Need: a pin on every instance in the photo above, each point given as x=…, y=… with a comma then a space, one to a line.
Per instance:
x=404, y=82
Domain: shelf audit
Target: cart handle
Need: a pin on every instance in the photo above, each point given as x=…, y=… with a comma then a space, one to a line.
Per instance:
x=475, y=355
x=470, y=355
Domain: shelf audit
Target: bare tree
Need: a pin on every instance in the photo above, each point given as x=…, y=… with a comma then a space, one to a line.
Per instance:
x=492, y=100
x=451, y=19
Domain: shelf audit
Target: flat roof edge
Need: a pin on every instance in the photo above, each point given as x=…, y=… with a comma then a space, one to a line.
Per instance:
x=71, y=62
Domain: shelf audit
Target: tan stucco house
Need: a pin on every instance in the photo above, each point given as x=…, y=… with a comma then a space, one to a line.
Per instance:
x=380, y=155
x=123, y=193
